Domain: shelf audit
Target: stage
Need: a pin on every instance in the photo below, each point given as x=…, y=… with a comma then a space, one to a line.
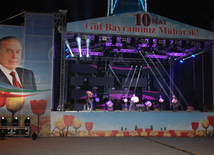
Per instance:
x=129, y=123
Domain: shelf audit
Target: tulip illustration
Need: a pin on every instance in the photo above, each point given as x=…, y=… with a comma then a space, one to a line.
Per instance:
x=195, y=126
x=2, y=101
x=148, y=131
x=205, y=124
x=89, y=126
x=160, y=133
x=211, y=122
x=68, y=120
x=60, y=125
x=139, y=131
x=114, y=132
x=172, y=133
x=14, y=104
x=38, y=108
x=76, y=125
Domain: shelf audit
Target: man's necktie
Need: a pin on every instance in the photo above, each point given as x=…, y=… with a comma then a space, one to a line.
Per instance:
x=15, y=81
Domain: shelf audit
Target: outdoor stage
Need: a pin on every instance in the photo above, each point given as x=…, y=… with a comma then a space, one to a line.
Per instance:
x=129, y=123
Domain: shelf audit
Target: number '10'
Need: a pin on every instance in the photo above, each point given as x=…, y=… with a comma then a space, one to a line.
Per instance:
x=145, y=19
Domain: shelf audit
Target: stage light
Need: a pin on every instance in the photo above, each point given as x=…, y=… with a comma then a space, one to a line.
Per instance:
x=104, y=38
x=181, y=61
x=124, y=39
x=176, y=42
x=27, y=121
x=3, y=121
x=68, y=49
x=67, y=55
x=160, y=41
x=16, y=121
x=192, y=43
x=193, y=55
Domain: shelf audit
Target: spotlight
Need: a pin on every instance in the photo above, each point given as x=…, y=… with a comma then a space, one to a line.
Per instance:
x=34, y=136
x=3, y=121
x=16, y=121
x=124, y=39
x=67, y=55
x=193, y=55
x=27, y=121
x=181, y=61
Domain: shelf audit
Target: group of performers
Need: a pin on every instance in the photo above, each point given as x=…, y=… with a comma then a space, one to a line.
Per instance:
x=127, y=103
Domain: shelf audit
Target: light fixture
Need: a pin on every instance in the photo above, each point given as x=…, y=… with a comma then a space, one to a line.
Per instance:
x=16, y=121
x=181, y=61
x=193, y=55
x=27, y=121
x=123, y=40
x=3, y=121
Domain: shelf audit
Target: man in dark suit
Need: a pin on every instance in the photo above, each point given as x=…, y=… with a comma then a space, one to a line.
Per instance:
x=10, y=58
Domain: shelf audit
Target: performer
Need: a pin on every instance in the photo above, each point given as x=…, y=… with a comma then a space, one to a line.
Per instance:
x=106, y=99
x=95, y=101
x=123, y=101
x=161, y=100
x=89, y=100
x=174, y=103
x=134, y=100
x=145, y=101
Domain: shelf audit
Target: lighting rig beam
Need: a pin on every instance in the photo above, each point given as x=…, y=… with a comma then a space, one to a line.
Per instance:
x=69, y=48
x=78, y=39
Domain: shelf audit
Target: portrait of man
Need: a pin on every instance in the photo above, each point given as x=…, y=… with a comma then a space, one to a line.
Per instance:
x=10, y=58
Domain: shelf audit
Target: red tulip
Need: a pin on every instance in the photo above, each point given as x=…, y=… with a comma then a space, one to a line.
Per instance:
x=139, y=131
x=125, y=133
x=68, y=120
x=114, y=132
x=211, y=120
x=2, y=101
x=148, y=131
x=88, y=125
x=195, y=125
x=172, y=133
x=161, y=133
x=38, y=107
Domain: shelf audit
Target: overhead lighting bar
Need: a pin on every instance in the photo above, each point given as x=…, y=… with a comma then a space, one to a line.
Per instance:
x=176, y=54
x=156, y=56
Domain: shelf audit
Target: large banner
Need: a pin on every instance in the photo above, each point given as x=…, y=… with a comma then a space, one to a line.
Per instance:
x=141, y=24
x=26, y=51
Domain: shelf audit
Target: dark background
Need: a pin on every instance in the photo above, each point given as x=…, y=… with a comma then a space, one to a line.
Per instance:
x=193, y=12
